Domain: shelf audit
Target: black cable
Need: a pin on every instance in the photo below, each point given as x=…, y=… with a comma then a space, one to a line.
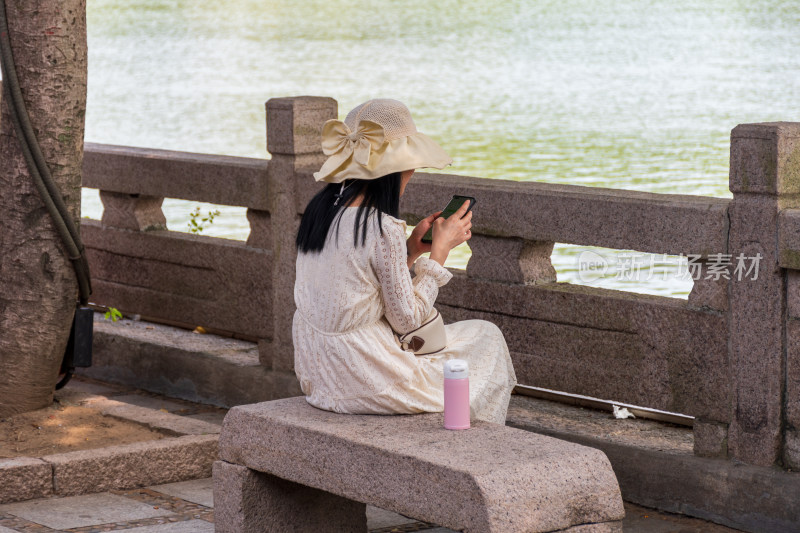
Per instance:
x=37, y=166
x=27, y=128
x=43, y=192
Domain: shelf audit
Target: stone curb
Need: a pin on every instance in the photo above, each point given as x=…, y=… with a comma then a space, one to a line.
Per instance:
x=25, y=478
x=187, y=454
x=133, y=465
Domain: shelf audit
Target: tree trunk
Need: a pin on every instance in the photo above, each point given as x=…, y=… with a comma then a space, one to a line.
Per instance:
x=38, y=287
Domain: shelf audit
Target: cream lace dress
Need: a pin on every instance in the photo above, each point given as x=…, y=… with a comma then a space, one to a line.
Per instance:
x=347, y=357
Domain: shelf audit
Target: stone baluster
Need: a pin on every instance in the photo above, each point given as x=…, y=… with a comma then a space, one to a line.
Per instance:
x=764, y=178
x=512, y=260
x=136, y=212
x=260, y=229
x=710, y=293
x=294, y=126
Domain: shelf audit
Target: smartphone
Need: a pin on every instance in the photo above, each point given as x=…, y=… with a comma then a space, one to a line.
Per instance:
x=455, y=202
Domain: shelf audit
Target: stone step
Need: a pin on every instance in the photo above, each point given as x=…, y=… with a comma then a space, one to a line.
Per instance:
x=202, y=368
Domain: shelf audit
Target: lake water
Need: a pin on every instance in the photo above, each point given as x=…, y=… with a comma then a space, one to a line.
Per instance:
x=631, y=94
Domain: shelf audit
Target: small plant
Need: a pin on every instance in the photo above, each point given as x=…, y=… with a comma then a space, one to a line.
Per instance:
x=197, y=227
x=113, y=313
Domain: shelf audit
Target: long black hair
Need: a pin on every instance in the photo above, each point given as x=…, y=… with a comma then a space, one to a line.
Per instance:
x=381, y=194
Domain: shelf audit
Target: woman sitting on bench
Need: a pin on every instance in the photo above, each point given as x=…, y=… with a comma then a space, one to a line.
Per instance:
x=354, y=289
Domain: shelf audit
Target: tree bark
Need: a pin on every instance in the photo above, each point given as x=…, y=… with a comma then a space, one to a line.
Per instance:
x=38, y=287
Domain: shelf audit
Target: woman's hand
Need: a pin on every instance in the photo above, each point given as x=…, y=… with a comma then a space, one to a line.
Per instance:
x=450, y=232
x=414, y=243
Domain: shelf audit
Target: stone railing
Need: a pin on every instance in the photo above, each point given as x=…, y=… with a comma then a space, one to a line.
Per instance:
x=139, y=266
x=728, y=356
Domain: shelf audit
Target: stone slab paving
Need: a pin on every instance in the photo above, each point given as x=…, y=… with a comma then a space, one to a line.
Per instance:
x=649, y=521
x=151, y=402
x=197, y=491
x=87, y=510
x=188, y=526
x=172, y=510
x=187, y=507
x=380, y=519
x=212, y=418
x=137, y=511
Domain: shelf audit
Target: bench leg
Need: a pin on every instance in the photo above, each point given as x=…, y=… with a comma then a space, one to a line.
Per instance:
x=247, y=501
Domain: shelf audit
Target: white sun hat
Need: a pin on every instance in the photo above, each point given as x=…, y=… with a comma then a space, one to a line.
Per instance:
x=376, y=138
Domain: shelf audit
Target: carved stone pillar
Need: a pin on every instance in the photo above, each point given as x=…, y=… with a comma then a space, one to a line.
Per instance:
x=764, y=178
x=294, y=129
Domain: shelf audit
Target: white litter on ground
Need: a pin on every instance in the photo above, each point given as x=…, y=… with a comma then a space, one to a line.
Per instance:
x=622, y=412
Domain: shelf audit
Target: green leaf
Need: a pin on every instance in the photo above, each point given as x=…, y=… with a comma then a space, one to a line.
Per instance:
x=113, y=313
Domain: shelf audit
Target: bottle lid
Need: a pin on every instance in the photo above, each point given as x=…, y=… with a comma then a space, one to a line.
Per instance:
x=456, y=369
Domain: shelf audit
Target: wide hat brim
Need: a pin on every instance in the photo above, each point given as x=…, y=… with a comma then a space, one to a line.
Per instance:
x=405, y=153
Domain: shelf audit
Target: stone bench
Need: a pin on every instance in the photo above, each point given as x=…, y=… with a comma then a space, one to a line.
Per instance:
x=286, y=466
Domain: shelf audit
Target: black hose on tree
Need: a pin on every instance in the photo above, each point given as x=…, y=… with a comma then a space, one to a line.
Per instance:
x=37, y=166
x=38, y=169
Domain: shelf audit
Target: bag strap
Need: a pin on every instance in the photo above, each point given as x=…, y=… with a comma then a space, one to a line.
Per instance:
x=408, y=335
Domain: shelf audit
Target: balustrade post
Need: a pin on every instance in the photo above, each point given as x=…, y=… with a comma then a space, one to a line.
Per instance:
x=764, y=178
x=513, y=260
x=791, y=448
x=294, y=127
x=136, y=212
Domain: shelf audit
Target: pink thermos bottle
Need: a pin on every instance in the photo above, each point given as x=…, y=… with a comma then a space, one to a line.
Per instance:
x=456, y=394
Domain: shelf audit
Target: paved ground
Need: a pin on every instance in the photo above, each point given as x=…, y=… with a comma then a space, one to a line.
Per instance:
x=187, y=507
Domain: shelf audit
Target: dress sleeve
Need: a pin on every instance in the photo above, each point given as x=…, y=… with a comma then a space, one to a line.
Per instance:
x=407, y=302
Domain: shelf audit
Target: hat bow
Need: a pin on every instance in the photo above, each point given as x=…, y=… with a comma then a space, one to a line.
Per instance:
x=339, y=143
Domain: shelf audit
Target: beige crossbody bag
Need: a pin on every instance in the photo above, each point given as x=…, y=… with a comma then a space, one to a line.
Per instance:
x=427, y=339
